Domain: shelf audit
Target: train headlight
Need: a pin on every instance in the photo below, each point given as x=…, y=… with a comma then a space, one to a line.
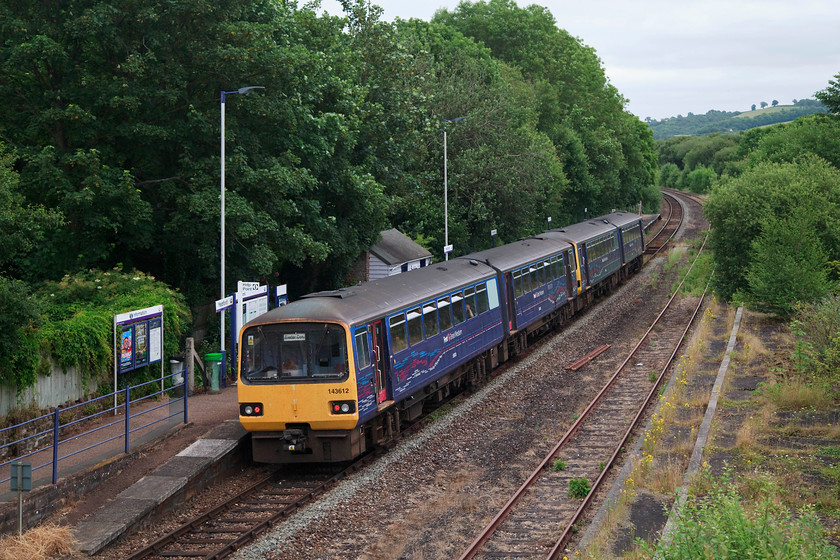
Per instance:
x=251, y=409
x=343, y=407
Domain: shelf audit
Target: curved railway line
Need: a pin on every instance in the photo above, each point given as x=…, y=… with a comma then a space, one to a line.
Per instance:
x=592, y=440
x=538, y=520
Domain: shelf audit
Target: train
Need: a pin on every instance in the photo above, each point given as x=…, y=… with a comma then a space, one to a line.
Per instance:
x=336, y=373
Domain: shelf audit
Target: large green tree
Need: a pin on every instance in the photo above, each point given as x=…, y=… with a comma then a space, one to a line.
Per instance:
x=114, y=110
x=503, y=173
x=744, y=211
x=830, y=96
x=608, y=154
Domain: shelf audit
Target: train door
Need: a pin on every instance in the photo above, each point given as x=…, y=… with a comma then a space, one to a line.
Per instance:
x=510, y=297
x=380, y=353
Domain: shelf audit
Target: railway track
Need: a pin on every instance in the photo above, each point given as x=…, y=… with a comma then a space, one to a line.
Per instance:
x=539, y=518
x=224, y=529
x=672, y=224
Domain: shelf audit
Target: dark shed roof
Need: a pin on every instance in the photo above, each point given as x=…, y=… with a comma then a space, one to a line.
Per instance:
x=395, y=248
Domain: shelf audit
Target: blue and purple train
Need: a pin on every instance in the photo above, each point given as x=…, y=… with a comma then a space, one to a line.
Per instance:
x=336, y=373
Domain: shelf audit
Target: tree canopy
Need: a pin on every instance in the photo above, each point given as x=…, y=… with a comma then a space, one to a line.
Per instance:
x=112, y=114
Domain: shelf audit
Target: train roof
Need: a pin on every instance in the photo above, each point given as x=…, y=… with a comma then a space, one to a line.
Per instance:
x=374, y=299
x=621, y=219
x=582, y=232
x=513, y=255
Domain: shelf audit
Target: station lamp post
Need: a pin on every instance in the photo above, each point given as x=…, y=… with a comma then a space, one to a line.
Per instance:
x=446, y=248
x=243, y=91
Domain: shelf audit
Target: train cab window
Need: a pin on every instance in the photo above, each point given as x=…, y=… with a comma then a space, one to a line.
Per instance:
x=399, y=341
x=362, y=348
x=458, y=307
x=415, y=325
x=294, y=353
x=517, y=282
x=469, y=303
x=481, y=296
x=430, y=319
x=444, y=314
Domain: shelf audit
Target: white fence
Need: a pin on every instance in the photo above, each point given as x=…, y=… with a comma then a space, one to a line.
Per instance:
x=49, y=391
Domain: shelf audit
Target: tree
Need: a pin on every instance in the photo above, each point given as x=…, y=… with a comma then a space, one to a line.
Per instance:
x=114, y=113
x=579, y=110
x=788, y=264
x=763, y=104
x=752, y=107
x=742, y=209
x=775, y=102
x=830, y=96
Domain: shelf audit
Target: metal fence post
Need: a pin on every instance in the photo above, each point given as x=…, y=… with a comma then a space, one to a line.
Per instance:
x=186, y=391
x=127, y=417
x=55, y=447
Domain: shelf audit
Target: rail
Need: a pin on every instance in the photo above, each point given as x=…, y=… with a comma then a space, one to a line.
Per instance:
x=48, y=428
x=479, y=545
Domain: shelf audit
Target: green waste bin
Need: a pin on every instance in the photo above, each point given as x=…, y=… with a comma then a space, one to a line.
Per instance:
x=213, y=365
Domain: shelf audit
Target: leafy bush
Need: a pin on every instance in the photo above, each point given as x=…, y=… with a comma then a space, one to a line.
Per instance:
x=718, y=525
x=579, y=487
x=77, y=318
x=18, y=341
x=817, y=327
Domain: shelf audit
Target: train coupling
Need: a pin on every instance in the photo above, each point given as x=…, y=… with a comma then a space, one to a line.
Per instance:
x=294, y=440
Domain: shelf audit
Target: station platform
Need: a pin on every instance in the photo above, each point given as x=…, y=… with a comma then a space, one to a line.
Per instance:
x=169, y=484
x=105, y=493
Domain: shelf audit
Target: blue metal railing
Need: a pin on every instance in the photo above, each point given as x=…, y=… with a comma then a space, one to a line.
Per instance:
x=54, y=433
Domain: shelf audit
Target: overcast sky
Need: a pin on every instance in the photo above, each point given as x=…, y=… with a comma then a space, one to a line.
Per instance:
x=670, y=57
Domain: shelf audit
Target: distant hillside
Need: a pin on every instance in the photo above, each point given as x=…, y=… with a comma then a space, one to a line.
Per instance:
x=723, y=121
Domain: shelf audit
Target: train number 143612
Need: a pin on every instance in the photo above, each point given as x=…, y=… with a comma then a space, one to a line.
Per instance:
x=339, y=391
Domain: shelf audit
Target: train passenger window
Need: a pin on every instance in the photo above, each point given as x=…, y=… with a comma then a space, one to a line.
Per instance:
x=415, y=325
x=547, y=271
x=517, y=282
x=481, y=296
x=469, y=303
x=492, y=294
x=458, y=307
x=399, y=341
x=540, y=273
x=535, y=281
x=362, y=348
x=444, y=314
x=555, y=269
x=430, y=319
x=526, y=281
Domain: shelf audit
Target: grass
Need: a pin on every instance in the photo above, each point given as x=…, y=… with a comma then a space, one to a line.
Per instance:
x=796, y=394
x=719, y=523
x=40, y=543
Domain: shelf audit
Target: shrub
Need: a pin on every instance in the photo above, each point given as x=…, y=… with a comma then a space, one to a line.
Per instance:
x=719, y=525
x=579, y=487
x=19, y=320
x=77, y=317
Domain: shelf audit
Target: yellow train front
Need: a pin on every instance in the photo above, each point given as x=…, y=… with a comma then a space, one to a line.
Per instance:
x=297, y=390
